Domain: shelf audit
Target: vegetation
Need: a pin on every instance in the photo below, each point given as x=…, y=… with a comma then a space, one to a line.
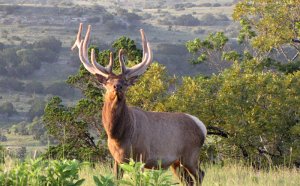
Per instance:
x=72, y=172
x=250, y=105
x=22, y=61
x=7, y=108
x=250, y=110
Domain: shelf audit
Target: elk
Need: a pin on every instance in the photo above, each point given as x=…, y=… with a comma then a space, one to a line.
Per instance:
x=156, y=138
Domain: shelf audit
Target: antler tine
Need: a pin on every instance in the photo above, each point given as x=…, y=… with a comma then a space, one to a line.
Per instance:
x=82, y=45
x=111, y=63
x=78, y=38
x=86, y=65
x=140, y=68
x=122, y=62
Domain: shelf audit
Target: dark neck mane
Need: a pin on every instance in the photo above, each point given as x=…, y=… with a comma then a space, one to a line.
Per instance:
x=116, y=117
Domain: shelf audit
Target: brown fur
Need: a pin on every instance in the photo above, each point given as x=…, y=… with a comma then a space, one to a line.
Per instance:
x=174, y=139
x=169, y=138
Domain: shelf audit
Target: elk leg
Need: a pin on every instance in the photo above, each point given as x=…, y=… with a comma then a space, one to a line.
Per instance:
x=117, y=171
x=196, y=172
x=175, y=168
x=182, y=173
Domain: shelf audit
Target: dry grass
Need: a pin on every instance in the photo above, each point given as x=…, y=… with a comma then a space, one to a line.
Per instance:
x=229, y=175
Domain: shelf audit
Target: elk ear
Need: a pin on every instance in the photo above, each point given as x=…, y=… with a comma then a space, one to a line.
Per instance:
x=132, y=80
x=101, y=79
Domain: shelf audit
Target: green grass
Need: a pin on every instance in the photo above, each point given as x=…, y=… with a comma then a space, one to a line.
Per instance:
x=230, y=175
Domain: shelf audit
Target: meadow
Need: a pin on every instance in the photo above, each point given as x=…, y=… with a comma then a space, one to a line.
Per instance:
x=71, y=171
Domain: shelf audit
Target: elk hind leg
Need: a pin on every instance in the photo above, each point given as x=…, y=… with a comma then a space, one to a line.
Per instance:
x=182, y=173
x=196, y=173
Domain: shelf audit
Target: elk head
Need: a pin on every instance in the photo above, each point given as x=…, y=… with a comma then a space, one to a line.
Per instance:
x=115, y=85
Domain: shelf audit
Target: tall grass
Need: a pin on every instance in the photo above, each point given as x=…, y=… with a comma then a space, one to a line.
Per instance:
x=231, y=174
x=237, y=174
x=64, y=172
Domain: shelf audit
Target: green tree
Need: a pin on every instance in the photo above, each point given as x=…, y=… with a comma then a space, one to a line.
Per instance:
x=275, y=23
x=255, y=112
x=208, y=50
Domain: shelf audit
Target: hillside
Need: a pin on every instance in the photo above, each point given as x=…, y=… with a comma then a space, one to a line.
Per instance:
x=168, y=25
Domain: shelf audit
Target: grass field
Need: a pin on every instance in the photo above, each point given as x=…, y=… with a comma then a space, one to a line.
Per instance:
x=231, y=174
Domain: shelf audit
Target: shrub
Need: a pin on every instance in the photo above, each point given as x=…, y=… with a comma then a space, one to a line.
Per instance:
x=7, y=108
x=216, y=5
x=136, y=175
x=44, y=172
x=205, y=5
x=60, y=89
x=186, y=20
x=50, y=43
x=36, y=109
x=11, y=84
x=208, y=19
x=45, y=55
x=34, y=87
x=20, y=128
x=94, y=19
x=2, y=154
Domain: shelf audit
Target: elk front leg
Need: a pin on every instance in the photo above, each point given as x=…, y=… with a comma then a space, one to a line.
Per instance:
x=118, y=171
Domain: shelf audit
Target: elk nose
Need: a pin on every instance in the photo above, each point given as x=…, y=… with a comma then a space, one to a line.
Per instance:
x=118, y=87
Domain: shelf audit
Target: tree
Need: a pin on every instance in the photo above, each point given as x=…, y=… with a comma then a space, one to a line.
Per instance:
x=7, y=108
x=254, y=113
x=209, y=50
x=36, y=109
x=275, y=23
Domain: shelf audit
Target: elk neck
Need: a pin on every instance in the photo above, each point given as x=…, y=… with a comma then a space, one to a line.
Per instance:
x=116, y=116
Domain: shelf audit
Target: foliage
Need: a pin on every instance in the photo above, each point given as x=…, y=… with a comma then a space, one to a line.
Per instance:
x=150, y=92
x=275, y=23
x=136, y=175
x=43, y=172
x=7, y=108
x=34, y=87
x=2, y=154
x=74, y=138
x=60, y=89
x=259, y=111
x=208, y=50
x=104, y=180
x=36, y=108
x=10, y=83
x=24, y=60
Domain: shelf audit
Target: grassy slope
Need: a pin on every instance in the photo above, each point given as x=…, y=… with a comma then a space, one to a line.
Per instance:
x=27, y=141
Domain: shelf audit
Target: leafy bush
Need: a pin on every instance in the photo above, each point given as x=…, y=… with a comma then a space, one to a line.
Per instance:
x=2, y=155
x=34, y=87
x=36, y=109
x=24, y=60
x=7, y=108
x=43, y=172
x=104, y=180
x=60, y=89
x=20, y=128
x=50, y=43
x=136, y=175
x=186, y=20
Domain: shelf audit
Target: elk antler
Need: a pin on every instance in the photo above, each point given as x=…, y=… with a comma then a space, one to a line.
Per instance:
x=82, y=46
x=96, y=68
x=140, y=68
